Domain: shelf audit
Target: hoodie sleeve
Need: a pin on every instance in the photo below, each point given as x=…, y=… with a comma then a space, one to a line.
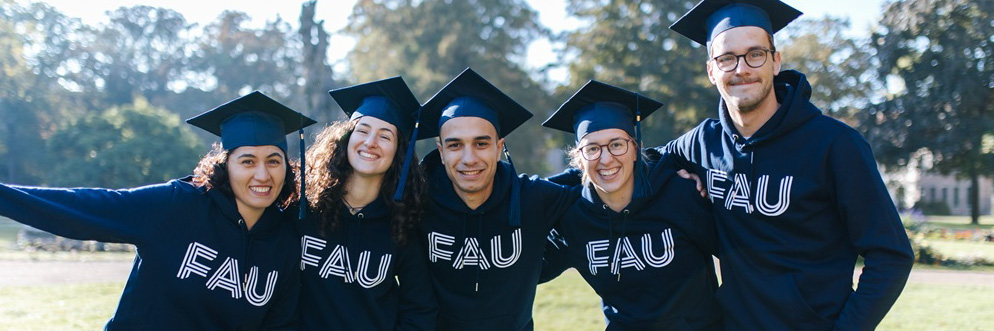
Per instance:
x=875, y=230
x=124, y=216
x=418, y=308
x=554, y=199
x=555, y=261
x=688, y=148
x=569, y=177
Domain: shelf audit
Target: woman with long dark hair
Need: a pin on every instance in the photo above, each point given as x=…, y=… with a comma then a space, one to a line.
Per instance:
x=215, y=251
x=364, y=267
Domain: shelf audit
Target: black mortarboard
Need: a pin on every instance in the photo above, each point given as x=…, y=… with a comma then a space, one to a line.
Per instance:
x=597, y=106
x=256, y=120
x=469, y=94
x=389, y=100
x=711, y=17
x=251, y=120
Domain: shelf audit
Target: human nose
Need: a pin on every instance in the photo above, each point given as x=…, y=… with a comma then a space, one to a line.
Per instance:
x=261, y=174
x=370, y=141
x=468, y=157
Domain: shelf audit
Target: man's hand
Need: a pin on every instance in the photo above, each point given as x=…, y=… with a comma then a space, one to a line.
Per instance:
x=687, y=175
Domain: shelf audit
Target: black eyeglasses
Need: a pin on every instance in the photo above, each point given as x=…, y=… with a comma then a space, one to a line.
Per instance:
x=617, y=147
x=755, y=58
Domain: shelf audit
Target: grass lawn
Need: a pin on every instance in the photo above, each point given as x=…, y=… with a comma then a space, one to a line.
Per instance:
x=563, y=304
x=942, y=307
x=58, y=307
x=961, y=222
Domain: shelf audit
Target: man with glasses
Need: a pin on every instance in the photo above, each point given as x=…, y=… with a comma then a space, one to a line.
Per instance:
x=796, y=195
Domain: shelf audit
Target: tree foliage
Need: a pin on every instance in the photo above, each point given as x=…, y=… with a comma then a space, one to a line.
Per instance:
x=429, y=42
x=122, y=147
x=942, y=54
x=629, y=44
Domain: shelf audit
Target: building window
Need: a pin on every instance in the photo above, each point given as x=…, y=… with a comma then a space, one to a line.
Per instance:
x=956, y=197
x=944, y=190
x=931, y=194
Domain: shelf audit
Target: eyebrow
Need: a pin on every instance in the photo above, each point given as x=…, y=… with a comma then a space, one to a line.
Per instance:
x=487, y=138
x=750, y=49
x=253, y=155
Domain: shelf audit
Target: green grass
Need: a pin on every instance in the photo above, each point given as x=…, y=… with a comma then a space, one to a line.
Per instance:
x=566, y=303
x=961, y=222
x=942, y=307
x=58, y=307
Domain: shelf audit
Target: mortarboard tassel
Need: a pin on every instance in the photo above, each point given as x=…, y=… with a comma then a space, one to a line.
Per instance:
x=514, y=212
x=303, y=170
x=399, y=195
x=642, y=189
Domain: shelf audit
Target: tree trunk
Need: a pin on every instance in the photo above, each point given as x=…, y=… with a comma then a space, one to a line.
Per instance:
x=974, y=196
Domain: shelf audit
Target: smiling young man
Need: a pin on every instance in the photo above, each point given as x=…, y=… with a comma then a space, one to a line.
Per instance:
x=796, y=194
x=485, y=226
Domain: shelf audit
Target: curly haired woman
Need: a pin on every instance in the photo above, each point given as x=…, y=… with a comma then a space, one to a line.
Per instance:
x=363, y=266
x=212, y=249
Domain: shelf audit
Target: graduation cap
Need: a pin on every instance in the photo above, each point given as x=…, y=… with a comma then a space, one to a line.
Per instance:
x=470, y=95
x=255, y=120
x=389, y=100
x=711, y=17
x=598, y=106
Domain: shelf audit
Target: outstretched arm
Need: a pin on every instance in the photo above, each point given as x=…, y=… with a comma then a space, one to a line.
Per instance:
x=91, y=214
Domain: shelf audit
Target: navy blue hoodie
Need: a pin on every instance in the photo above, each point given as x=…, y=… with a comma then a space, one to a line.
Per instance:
x=483, y=269
x=795, y=204
x=197, y=265
x=350, y=276
x=650, y=263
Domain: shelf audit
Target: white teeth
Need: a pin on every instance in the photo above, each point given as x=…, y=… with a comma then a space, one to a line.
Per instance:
x=366, y=155
x=471, y=173
x=260, y=189
x=608, y=172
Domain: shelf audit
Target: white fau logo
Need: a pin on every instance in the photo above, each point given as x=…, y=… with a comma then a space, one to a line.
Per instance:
x=339, y=265
x=626, y=256
x=736, y=192
x=471, y=254
x=226, y=277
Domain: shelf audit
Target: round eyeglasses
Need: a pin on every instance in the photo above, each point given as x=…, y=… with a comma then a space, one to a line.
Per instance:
x=755, y=58
x=617, y=147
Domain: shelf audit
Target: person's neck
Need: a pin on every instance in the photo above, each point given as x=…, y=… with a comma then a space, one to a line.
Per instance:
x=616, y=200
x=249, y=214
x=474, y=200
x=362, y=190
x=747, y=123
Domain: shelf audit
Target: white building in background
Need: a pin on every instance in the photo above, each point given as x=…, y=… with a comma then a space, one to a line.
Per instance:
x=918, y=182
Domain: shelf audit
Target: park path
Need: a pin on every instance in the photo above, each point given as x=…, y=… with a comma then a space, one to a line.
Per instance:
x=18, y=273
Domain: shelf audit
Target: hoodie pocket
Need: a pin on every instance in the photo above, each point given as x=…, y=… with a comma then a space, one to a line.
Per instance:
x=771, y=302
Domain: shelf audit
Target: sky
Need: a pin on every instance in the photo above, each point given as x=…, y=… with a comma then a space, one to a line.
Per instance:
x=335, y=13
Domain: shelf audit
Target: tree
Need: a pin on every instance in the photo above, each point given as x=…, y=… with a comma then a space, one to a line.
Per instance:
x=29, y=97
x=839, y=68
x=429, y=42
x=124, y=146
x=629, y=44
x=941, y=53
x=317, y=73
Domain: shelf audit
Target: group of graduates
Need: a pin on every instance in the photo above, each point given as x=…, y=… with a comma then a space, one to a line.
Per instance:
x=360, y=236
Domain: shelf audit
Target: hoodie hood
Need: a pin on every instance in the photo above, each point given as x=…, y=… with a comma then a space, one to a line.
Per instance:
x=226, y=204
x=445, y=194
x=793, y=93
